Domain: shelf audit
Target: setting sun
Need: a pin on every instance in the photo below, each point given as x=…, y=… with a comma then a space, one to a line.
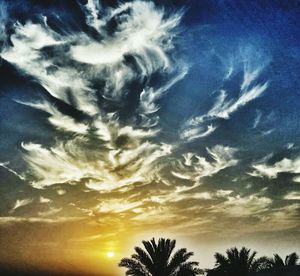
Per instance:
x=110, y=254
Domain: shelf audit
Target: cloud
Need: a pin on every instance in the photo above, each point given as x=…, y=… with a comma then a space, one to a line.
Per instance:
x=4, y=165
x=20, y=203
x=58, y=119
x=237, y=206
x=15, y=220
x=45, y=200
x=105, y=151
x=149, y=96
x=195, y=133
x=292, y=196
x=282, y=218
x=223, y=108
x=142, y=31
x=194, y=167
x=267, y=132
x=111, y=149
x=296, y=179
x=116, y=206
x=92, y=9
x=257, y=118
x=3, y=21
x=104, y=171
x=290, y=146
x=50, y=212
x=183, y=194
x=272, y=171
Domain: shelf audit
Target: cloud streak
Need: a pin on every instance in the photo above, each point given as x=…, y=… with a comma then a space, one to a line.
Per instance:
x=271, y=171
x=194, y=167
x=20, y=203
x=5, y=166
x=223, y=108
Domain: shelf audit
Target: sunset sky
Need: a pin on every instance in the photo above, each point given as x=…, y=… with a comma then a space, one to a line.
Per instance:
x=124, y=120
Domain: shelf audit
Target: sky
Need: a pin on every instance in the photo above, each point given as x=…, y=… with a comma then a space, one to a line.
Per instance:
x=124, y=120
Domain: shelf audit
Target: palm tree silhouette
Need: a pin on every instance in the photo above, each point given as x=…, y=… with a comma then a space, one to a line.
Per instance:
x=158, y=260
x=290, y=260
x=238, y=263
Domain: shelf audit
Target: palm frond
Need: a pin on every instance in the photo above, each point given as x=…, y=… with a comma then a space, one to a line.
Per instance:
x=144, y=258
x=135, y=268
x=292, y=259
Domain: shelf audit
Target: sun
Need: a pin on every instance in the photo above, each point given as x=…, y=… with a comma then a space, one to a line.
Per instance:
x=110, y=254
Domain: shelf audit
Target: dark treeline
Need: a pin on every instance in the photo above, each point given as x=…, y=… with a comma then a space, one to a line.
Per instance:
x=161, y=259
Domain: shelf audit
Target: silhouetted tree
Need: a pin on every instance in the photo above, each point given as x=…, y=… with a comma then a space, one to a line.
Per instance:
x=290, y=260
x=158, y=260
x=279, y=267
x=238, y=263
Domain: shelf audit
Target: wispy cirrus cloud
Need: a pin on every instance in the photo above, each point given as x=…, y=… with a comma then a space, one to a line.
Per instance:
x=194, y=167
x=106, y=152
x=295, y=195
x=5, y=166
x=21, y=203
x=257, y=119
x=16, y=220
x=238, y=206
x=57, y=119
x=286, y=165
x=101, y=92
x=250, y=89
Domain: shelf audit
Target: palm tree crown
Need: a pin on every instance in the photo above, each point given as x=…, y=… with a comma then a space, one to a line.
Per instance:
x=158, y=260
x=290, y=260
x=238, y=263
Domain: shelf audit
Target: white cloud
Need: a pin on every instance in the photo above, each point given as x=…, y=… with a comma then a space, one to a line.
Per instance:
x=182, y=194
x=223, y=108
x=196, y=167
x=257, y=118
x=267, y=132
x=45, y=200
x=11, y=220
x=237, y=206
x=140, y=32
x=272, y=171
x=52, y=211
x=104, y=154
x=102, y=171
x=195, y=133
x=116, y=206
x=92, y=9
x=149, y=96
x=290, y=145
x=5, y=166
x=61, y=191
x=296, y=179
x=292, y=196
x=58, y=119
x=20, y=203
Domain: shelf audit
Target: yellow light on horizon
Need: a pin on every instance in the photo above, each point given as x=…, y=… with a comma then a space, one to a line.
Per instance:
x=110, y=254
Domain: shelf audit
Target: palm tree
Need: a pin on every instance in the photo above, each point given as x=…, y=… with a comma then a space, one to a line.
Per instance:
x=238, y=263
x=290, y=260
x=158, y=260
x=278, y=264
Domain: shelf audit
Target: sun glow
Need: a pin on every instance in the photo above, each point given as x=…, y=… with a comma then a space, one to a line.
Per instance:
x=110, y=254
